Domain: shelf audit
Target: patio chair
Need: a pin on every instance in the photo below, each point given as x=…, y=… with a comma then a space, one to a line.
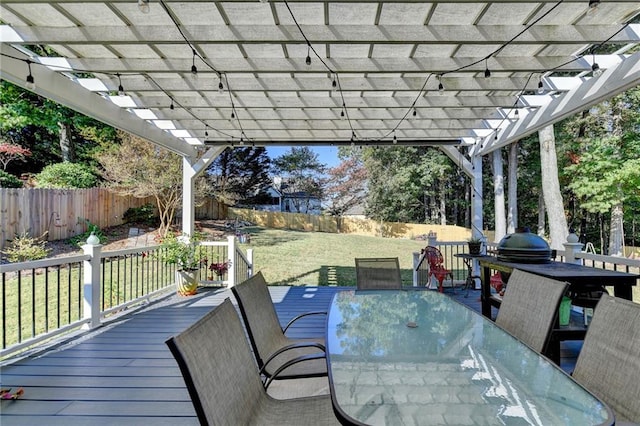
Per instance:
x=271, y=347
x=223, y=383
x=608, y=364
x=529, y=307
x=437, y=269
x=378, y=273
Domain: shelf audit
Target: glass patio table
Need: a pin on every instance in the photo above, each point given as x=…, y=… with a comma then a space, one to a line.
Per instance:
x=418, y=357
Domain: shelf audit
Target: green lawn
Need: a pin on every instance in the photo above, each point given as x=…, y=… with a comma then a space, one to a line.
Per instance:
x=315, y=258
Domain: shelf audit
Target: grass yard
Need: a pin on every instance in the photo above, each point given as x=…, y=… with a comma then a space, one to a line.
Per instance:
x=315, y=258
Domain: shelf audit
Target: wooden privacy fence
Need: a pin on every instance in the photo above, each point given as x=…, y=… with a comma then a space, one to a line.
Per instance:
x=347, y=225
x=63, y=213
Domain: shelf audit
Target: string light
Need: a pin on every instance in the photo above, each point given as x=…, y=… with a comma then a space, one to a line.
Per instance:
x=308, y=60
x=233, y=115
x=415, y=113
x=143, y=6
x=120, y=88
x=395, y=138
x=31, y=83
x=220, y=85
x=487, y=71
x=342, y=111
x=440, y=85
x=194, y=69
x=595, y=68
x=334, y=83
x=593, y=6
x=540, y=87
x=171, y=106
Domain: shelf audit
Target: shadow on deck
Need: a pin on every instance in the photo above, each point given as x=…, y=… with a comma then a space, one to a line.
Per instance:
x=123, y=372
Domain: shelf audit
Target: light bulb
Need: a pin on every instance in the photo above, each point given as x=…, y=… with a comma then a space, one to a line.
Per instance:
x=171, y=106
x=31, y=84
x=593, y=6
x=595, y=68
x=395, y=139
x=308, y=60
x=220, y=86
x=120, y=90
x=540, y=87
x=143, y=6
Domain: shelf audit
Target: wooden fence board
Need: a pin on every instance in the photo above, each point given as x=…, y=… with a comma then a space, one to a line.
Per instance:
x=63, y=213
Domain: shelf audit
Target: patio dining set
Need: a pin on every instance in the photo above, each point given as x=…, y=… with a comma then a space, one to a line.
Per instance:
x=394, y=355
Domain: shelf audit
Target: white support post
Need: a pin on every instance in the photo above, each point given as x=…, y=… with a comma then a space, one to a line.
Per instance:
x=91, y=283
x=416, y=259
x=250, y=260
x=188, y=186
x=476, y=206
x=231, y=254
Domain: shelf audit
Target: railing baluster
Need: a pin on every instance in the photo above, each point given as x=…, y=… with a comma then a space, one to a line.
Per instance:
x=46, y=299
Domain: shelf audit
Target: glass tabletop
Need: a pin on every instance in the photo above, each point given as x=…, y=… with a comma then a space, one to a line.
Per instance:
x=412, y=357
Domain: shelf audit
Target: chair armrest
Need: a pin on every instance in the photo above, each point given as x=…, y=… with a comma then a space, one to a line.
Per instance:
x=306, y=314
x=291, y=362
x=289, y=347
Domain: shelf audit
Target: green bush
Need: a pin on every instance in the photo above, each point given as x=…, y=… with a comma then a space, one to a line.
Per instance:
x=81, y=239
x=67, y=175
x=7, y=180
x=144, y=214
x=24, y=248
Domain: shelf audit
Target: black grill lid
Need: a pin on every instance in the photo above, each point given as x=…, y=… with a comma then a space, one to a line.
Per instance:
x=523, y=246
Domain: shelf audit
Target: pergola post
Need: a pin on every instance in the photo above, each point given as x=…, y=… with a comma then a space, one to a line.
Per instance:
x=188, y=186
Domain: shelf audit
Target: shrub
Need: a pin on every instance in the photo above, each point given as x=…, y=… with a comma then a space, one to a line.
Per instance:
x=24, y=248
x=7, y=180
x=81, y=239
x=144, y=214
x=66, y=175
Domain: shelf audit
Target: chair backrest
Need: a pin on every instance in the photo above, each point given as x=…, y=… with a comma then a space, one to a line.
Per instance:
x=218, y=368
x=530, y=306
x=609, y=361
x=378, y=273
x=434, y=257
x=260, y=317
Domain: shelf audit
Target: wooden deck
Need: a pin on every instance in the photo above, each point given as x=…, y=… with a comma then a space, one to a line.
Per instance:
x=123, y=373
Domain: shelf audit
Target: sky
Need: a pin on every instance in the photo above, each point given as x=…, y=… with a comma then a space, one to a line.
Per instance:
x=327, y=155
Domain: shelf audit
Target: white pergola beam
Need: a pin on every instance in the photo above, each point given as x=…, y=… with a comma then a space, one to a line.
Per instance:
x=624, y=76
x=63, y=90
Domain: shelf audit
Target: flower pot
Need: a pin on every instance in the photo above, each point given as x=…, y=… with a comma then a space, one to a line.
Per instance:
x=475, y=248
x=187, y=282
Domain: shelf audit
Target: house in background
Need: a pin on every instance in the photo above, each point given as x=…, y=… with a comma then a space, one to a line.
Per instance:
x=278, y=200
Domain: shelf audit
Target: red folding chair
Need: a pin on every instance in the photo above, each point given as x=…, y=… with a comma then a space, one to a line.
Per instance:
x=436, y=266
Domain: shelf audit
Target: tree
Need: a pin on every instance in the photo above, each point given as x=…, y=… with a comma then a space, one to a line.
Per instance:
x=11, y=152
x=410, y=184
x=300, y=172
x=52, y=132
x=553, y=201
x=239, y=174
x=604, y=152
x=140, y=169
x=346, y=185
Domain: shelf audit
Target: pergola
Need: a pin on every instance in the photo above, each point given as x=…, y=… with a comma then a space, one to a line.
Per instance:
x=198, y=76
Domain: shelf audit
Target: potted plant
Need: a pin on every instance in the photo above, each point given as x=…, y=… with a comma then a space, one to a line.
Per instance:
x=184, y=252
x=219, y=268
x=475, y=245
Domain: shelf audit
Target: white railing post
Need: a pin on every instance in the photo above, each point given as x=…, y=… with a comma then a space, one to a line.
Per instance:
x=571, y=247
x=91, y=283
x=416, y=259
x=432, y=238
x=250, y=260
x=231, y=253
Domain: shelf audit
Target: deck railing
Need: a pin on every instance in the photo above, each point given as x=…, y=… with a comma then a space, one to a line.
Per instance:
x=43, y=299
